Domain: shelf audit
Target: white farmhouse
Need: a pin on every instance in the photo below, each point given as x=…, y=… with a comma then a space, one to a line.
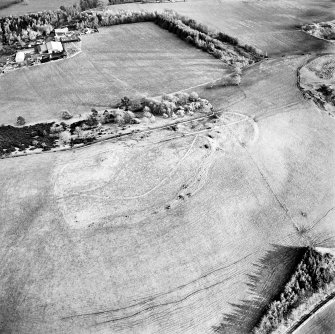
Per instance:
x=60, y=33
x=19, y=58
x=54, y=47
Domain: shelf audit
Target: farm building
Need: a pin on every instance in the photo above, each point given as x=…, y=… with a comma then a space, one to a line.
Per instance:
x=70, y=38
x=42, y=48
x=20, y=56
x=60, y=33
x=54, y=47
x=72, y=46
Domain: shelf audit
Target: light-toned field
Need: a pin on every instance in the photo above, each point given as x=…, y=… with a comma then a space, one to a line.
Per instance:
x=322, y=322
x=33, y=6
x=139, y=267
x=137, y=59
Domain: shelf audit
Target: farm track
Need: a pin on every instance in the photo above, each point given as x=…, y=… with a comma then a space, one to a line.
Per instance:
x=307, y=317
x=187, y=290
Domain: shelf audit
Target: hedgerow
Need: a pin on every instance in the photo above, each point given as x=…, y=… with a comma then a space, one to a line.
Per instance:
x=196, y=34
x=313, y=273
x=218, y=44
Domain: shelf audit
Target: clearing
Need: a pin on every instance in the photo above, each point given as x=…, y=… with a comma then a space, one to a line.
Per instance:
x=132, y=59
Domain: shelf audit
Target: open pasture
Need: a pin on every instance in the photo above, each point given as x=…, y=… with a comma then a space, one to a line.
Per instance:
x=144, y=267
x=134, y=59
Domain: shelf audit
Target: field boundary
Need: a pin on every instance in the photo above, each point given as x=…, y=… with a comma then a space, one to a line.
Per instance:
x=306, y=93
x=320, y=306
x=80, y=146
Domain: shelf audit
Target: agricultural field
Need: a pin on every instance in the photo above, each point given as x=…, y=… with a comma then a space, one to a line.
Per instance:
x=272, y=26
x=151, y=62
x=123, y=248
x=7, y=3
x=32, y=6
x=178, y=230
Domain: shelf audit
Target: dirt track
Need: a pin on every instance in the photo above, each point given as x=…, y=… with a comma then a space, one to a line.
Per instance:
x=296, y=328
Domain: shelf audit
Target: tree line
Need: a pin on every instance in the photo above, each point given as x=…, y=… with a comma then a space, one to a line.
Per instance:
x=14, y=28
x=217, y=44
x=199, y=35
x=313, y=273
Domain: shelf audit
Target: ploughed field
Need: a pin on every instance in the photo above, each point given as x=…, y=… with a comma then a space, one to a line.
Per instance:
x=133, y=60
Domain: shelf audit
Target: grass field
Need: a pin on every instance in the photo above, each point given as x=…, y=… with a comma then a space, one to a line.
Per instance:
x=121, y=60
x=7, y=3
x=323, y=322
x=32, y=6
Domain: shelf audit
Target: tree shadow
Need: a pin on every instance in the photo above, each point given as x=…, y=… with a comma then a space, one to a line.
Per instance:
x=266, y=283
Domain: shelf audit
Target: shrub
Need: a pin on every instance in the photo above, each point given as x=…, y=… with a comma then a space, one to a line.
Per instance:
x=194, y=97
x=66, y=115
x=20, y=121
x=182, y=98
x=125, y=103
x=91, y=120
x=65, y=137
x=146, y=109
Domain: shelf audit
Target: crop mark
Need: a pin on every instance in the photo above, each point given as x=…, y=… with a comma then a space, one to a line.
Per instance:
x=165, y=304
x=141, y=195
x=280, y=202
